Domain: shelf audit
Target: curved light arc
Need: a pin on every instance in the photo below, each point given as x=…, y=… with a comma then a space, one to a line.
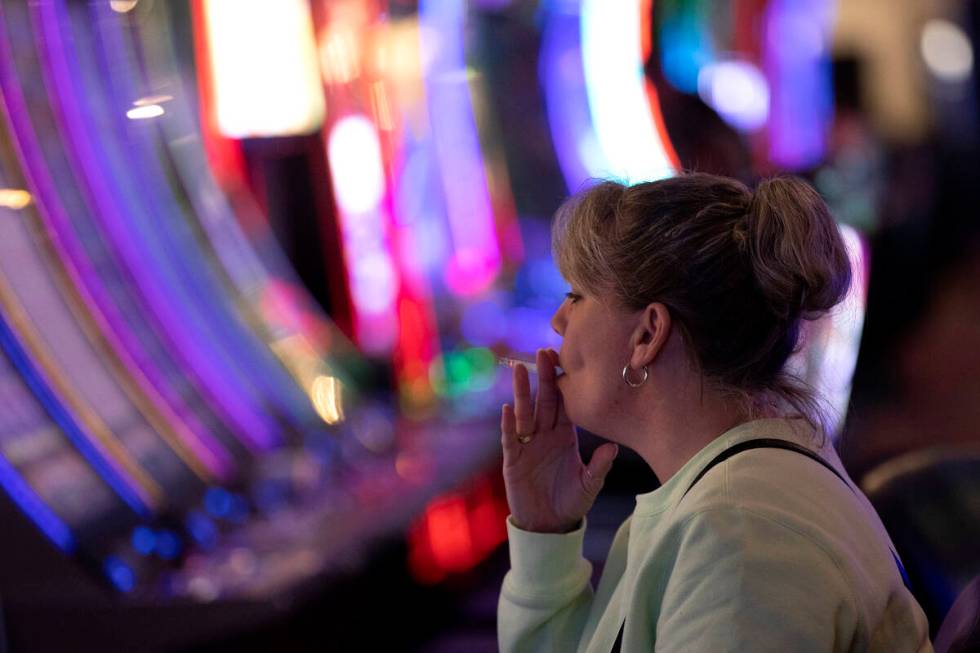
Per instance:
x=634, y=146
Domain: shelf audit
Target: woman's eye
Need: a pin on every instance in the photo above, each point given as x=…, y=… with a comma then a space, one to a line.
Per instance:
x=572, y=297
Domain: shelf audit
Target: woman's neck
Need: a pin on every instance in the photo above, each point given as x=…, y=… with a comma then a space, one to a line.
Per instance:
x=676, y=412
x=673, y=427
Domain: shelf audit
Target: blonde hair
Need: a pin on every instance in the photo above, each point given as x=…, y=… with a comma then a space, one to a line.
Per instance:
x=738, y=270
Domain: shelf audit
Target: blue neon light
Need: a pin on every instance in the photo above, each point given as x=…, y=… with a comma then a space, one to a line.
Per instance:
x=52, y=405
x=168, y=545
x=144, y=540
x=222, y=504
x=36, y=510
x=119, y=573
x=686, y=46
x=202, y=529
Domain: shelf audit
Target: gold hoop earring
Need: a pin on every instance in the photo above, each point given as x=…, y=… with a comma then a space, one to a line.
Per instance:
x=629, y=382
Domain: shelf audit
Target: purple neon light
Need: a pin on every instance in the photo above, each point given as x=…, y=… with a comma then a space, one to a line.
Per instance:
x=214, y=458
x=476, y=257
x=10, y=96
x=235, y=345
x=258, y=431
x=208, y=451
x=79, y=360
x=253, y=267
x=797, y=65
x=76, y=265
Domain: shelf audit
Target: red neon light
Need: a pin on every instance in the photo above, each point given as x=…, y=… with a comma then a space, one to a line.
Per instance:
x=458, y=531
x=224, y=154
x=449, y=533
x=646, y=45
x=415, y=351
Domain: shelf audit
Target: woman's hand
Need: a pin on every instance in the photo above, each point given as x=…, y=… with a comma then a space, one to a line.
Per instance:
x=549, y=489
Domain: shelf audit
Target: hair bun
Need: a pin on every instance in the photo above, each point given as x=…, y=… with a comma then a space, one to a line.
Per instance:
x=798, y=257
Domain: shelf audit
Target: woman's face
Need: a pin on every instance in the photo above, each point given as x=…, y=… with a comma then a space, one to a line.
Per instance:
x=595, y=347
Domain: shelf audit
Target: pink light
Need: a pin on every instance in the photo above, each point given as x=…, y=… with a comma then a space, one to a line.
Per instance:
x=355, y=158
x=469, y=271
x=476, y=260
x=359, y=181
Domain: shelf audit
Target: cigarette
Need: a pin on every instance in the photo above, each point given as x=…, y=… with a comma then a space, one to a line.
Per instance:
x=532, y=368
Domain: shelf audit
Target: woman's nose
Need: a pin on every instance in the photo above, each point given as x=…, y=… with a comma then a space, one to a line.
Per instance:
x=558, y=320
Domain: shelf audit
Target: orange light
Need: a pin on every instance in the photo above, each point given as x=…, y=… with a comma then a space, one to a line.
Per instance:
x=14, y=198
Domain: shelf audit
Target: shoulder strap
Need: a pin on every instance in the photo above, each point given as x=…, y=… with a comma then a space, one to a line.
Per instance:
x=767, y=443
x=763, y=443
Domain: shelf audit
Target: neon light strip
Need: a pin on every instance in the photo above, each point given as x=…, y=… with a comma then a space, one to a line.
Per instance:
x=246, y=275
x=51, y=308
x=611, y=49
x=66, y=248
x=378, y=173
x=238, y=347
x=123, y=488
x=88, y=422
x=77, y=371
x=34, y=507
x=148, y=229
x=476, y=259
x=154, y=279
x=125, y=477
x=576, y=145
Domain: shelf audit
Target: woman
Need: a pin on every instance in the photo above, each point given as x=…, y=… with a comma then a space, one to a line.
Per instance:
x=687, y=297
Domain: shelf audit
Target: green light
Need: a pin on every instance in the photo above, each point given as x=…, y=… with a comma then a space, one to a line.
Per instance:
x=458, y=368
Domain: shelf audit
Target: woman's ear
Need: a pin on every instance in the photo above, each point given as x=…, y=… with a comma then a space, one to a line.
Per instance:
x=650, y=335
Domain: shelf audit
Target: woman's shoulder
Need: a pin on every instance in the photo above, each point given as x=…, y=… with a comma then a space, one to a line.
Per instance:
x=754, y=495
x=777, y=484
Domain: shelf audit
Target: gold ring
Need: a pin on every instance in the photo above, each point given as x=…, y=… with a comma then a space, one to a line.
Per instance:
x=524, y=439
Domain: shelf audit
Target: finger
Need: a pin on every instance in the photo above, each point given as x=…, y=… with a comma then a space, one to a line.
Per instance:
x=522, y=401
x=594, y=474
x=546, y=405
x=554, y=357
x=508, y=433
x=561, y=417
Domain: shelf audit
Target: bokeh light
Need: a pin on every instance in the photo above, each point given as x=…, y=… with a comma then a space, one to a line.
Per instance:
x=947, y=51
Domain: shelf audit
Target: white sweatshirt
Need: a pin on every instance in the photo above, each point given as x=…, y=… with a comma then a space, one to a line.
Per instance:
x=769, y=552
